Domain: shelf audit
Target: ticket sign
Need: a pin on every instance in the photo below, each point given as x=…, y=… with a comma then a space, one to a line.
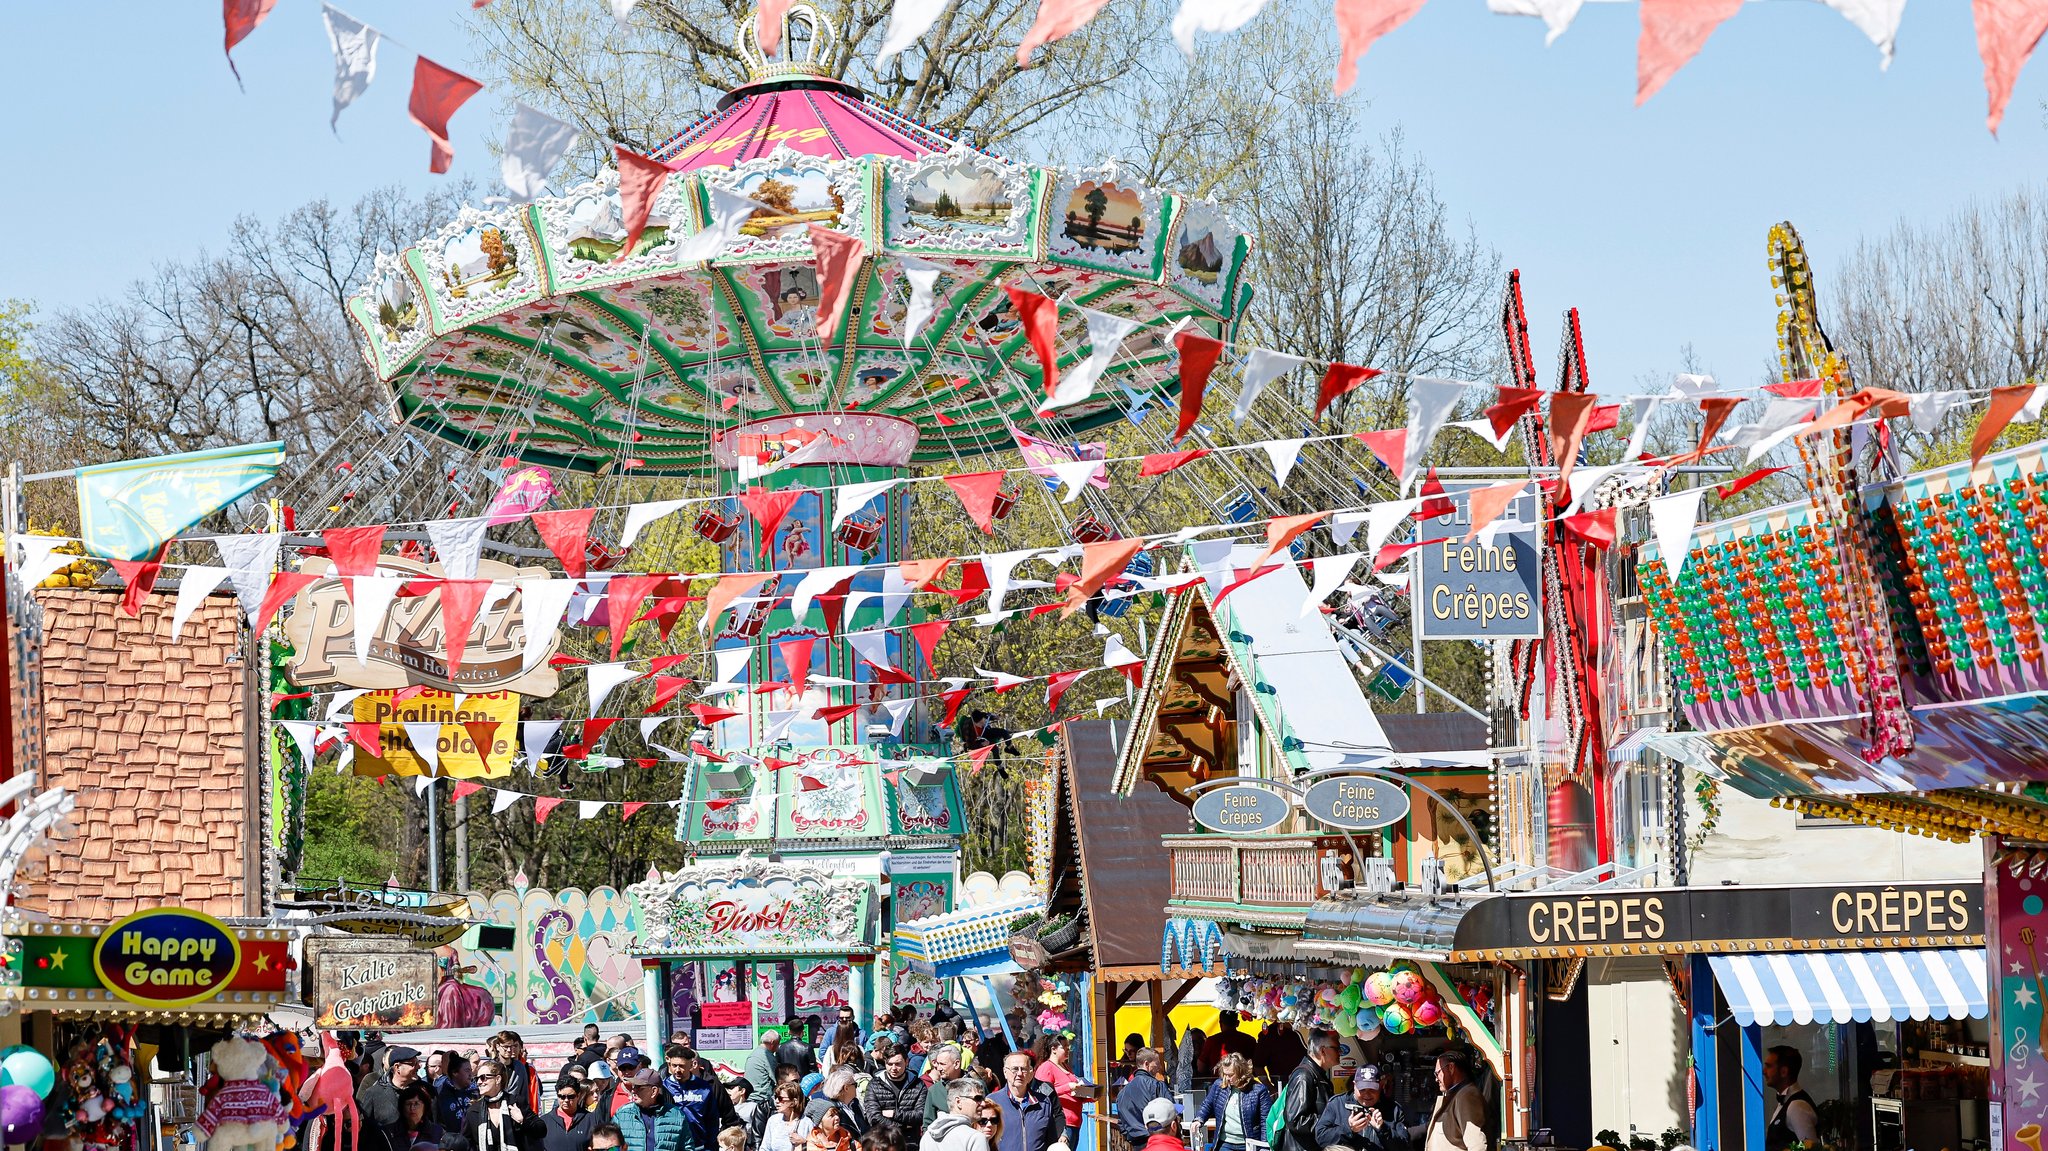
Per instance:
x=166, y=957
x=1476, y=589
x=1356, y=802
x=1240, y=810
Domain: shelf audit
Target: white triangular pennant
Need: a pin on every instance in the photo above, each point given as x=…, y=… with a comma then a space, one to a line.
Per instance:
x=640, y=515
x=870, y=646
x=1106, y=334
x=998, y=568
x=355, y=59
x=908, y=20
x=921, y=275
x=586, y=808
x=1691, y=385
x=1216, y=16
x=1329, y=571
x=1586, y=481
x=250, y=560
x=1261, y=367
x=301, y=732
x=729, y=212
x=1557, y=14
x=535, y=143
x=502, y=800
x=732, y=669
x=373, y=596
x=1430, y=403
x=1672, y=517
x=1343, y=526
x=1282, y=454
x=344, y=701
x=458, y=543
x=1877, y=19
x=541, y=603
x=1382, y=518
x=198, y=582
x=603, y=678
x=421, y=783
x=1115, y=653
x=1641, y=409
x=898, y=710
x=535, y=735
x=1484, y=430
x=650, y=723
x=815, y=583
x=1928, y=409
x=426, y=743
x=1002, y=679
x=850, y=498
x=1075, y=475
x=621, y=10
x=895, y=595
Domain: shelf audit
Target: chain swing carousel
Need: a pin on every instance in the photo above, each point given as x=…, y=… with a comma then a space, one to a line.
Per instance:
x=528, y=331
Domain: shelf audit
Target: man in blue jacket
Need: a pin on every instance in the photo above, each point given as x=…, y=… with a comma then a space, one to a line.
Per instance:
x=706, y=1108
x=1362, y=1121
x=1032, y=1119
x=1144, y=1086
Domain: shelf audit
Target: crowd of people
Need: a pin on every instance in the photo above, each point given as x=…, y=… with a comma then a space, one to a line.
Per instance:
x=908, y=1085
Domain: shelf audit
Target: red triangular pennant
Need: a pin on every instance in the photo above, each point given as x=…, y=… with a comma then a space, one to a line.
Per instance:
x=1342, y=380
x=640, y=182
x=953, y=699
x=1391, y=553
x=623, y=595
x=1673, y=32
x=1596, y=528
x=368, y=737
x=927, y=636
x=1510, y=406
x=836, y=712
x=1795, y=389
x=918, y=573
x=594, y=729
x=543, y=804
x=1160, y=463
x=436, y=93
x=888, y=675
x=627, y=809
x=796, y=657
x=1242, y=580
x=460, y=599
x=464, y=788
x=1198, y=356
x=1756, y=477
x=809, y=783
x=565, y=532
x=833, y=603
x=481, y=733
x=354, y=552
x=1389, y=447
x=1570, y=412
x=768, y=508
x=138, y=577
x=1057, y=683
x=283, y=586
x=1435, y=501
x=1039, y=317
x=838, y=262
x=1605, y=418
x=973, y=583
x=2006, y=403
x=1100, y=562
x=241, y=18
x=977, y=492
x=666, y=688
x=708, y=713
x=1282, y=530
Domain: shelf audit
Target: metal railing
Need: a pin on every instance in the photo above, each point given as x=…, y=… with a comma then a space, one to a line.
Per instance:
x=1279, y=871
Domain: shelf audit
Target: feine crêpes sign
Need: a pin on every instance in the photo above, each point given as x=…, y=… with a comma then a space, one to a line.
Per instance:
x=1485, y=587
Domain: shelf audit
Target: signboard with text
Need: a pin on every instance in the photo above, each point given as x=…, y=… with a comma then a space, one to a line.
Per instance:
x=369, y=984
x=1483, y=588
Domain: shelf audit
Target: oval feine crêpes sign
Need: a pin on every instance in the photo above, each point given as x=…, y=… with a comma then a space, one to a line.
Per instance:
x=1240, y=810
x=166, y=957
x=1356, y=802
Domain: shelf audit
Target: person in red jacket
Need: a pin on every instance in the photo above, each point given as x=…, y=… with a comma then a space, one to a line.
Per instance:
x=1159, y=1120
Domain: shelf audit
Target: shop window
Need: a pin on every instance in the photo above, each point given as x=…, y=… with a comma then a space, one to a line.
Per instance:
x=1572, y=840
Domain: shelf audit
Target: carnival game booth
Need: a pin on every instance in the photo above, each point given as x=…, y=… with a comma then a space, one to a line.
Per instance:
x=714, y=938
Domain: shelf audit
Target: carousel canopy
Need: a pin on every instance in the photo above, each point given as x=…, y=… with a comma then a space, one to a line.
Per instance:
x=527, y=328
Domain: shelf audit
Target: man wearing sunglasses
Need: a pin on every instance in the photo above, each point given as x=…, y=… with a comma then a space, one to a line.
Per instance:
x=497, y=1121
x=955, y=1128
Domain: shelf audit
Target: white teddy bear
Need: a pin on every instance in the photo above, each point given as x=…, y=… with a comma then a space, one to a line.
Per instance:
x=244, y=1112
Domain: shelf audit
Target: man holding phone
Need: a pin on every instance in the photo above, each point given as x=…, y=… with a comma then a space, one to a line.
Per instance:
x=1362, y=1121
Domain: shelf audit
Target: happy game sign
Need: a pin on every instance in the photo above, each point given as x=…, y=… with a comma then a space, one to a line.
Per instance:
x=166, y=957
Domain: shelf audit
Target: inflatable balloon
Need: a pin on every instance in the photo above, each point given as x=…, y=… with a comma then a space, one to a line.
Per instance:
x=1428, y=1013
x=1379, y=989
x=26, y=1067
x=1407, y=988
x=1395, y=1019
x=1368, y=1022
x=21, y=1113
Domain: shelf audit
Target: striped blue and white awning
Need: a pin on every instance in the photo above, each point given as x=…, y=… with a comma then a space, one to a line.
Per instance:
x=1853, y=986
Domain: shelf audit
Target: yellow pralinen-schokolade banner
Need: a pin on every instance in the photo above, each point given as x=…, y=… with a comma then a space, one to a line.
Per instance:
x=493, y=717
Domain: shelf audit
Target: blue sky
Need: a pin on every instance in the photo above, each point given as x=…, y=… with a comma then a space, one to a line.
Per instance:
x=130, y=144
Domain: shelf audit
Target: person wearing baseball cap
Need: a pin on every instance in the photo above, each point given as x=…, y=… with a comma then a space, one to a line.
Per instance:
x=1364, y=1120
x=652, y=1121
x=1160, y=1119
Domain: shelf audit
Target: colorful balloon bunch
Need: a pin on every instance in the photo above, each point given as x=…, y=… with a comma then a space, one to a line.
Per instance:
x=1397, y=1000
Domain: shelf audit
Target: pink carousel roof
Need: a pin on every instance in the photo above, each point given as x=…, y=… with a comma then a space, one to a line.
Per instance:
x=812, y=115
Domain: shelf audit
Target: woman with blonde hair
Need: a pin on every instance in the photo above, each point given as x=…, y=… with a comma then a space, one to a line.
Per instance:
x=1237, y=1103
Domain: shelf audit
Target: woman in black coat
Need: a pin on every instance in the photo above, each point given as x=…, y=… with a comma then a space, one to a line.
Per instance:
x=497, y=1122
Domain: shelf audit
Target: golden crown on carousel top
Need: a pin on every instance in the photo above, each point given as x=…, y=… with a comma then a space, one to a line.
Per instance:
x=808, y=42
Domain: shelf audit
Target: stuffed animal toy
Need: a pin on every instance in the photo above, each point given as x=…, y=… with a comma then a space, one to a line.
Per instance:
x=128, y=1106
x=89, y=1105
x=245, y=1114
x=332, y=1091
